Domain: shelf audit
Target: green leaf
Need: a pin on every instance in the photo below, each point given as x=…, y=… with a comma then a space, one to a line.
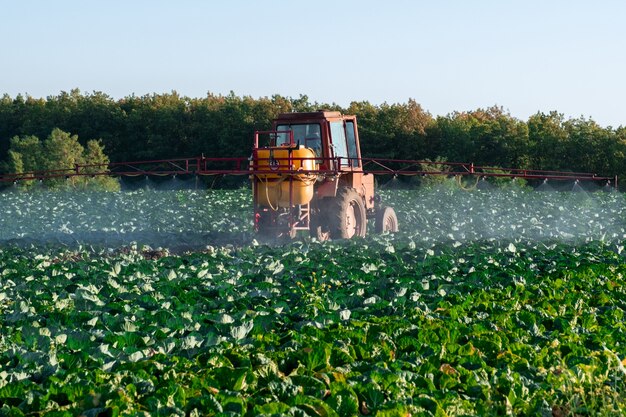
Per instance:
x=343, y=400
x=316, y=357
x=205, y=404
x=273, y=408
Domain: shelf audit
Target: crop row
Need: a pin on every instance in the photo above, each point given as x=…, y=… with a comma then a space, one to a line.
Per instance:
x=371, y=327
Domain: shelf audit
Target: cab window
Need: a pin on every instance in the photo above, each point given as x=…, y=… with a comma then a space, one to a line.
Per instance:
x=352, y=149
x=338, y=137
x=308, y=134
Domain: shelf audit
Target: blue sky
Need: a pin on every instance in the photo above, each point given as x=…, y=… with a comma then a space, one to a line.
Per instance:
x=448, y=55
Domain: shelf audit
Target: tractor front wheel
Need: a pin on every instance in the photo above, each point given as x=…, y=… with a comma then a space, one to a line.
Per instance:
x=347, y=216
x=386, y=220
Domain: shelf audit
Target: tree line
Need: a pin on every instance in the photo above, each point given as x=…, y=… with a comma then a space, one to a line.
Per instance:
x=161, y=126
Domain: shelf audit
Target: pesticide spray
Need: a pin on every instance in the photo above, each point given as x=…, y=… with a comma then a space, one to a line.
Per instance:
x=172, y=214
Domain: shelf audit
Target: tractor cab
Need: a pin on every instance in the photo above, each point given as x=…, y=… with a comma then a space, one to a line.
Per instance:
x=332, y=136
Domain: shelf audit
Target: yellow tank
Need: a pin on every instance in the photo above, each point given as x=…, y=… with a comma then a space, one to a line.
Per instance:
x=275, y=187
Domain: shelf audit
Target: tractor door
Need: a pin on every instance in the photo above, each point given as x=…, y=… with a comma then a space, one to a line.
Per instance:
x=345, y=143
x=353, y=145
x=338, y=141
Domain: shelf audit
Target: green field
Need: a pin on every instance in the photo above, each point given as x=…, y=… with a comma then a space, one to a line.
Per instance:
x=486, y=303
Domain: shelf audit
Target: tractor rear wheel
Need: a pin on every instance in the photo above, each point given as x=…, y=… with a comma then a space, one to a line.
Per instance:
x=347, y=215
x=386, y=220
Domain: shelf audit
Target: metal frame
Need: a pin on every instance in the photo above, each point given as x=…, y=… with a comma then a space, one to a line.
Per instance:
x=379, y=166
x=245, y=166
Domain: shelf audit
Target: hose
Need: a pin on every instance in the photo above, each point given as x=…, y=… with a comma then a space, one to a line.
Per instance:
x=462, y=187
x=267, y=194
x=307, y=181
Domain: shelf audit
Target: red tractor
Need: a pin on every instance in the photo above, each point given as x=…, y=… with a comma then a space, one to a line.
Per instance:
x=309, y=176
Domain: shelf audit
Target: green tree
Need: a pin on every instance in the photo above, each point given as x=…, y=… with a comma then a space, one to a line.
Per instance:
x=548, y=141
x=25, y=155
x=15, y=163
x=456, y=142
x=500, y=139
x=30, y=152
x=619, y=155
x=62, y=156
x=391, y=130
x=96, y=162
x=488, y=137
x=592, y=148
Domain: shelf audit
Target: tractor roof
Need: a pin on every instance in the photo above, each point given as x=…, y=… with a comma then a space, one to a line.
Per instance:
x=316, y=115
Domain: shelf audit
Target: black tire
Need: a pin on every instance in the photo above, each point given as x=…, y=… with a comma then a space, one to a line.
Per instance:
x=386, y=220
x=347, y=216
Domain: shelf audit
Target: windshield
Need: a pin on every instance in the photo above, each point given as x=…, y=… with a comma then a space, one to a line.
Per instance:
x=307, y=134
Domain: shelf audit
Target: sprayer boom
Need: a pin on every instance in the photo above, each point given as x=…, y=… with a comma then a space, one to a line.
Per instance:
x=203, y=166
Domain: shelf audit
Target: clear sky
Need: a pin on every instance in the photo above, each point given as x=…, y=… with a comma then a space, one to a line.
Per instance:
x=448, y=55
